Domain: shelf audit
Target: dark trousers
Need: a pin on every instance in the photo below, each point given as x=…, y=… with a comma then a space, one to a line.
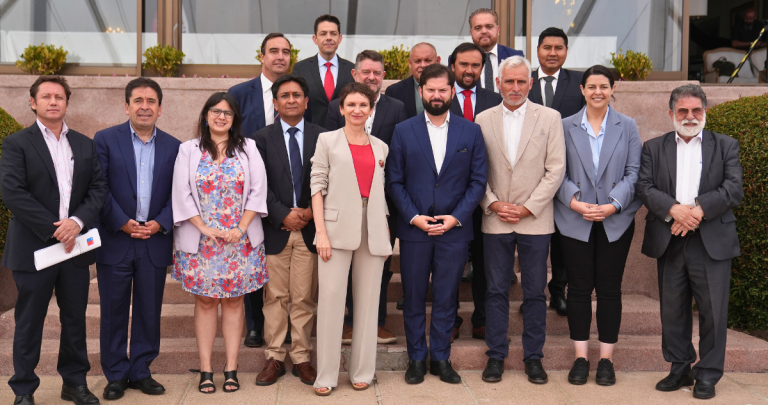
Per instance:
x=559, y=276
x=686, y=270
x=500, y=257
x=596, y=265
x=445, y=261
x=479, y=283
x=135, y=272
x=70, y=284
x=254, y=306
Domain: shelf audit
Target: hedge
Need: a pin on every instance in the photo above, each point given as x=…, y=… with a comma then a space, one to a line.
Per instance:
x=746, y=119
x=8, y=125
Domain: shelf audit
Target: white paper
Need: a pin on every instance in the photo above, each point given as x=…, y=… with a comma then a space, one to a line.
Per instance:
x=51, y=255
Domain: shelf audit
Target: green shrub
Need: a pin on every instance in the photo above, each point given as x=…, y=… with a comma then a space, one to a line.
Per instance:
x=396, y=62
x=8, y=125
x=165, y=60
x=632, y=66
x=746, y=119
x=42, y=59
x=294, y=58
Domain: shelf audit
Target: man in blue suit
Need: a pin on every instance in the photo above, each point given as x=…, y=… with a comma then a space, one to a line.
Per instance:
x=484, y=29
x=135, y=227
x=436, y=176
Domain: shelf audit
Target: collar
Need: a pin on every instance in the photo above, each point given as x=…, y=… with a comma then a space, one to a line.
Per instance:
x=378, y=97
x=459, y=89
x=679, y=139
x=445, y=124
x=334, y=60
x=585, y=121
x=266, y=84
x=46, y=131
x=133, y=133
x=542, y=75
x=495, y=50
x=520, y=111
x=285, y=126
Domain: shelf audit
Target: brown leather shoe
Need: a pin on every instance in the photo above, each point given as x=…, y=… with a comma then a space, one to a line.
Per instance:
x=273, y=370
x=455, y=334
x=478, y=333
x=346, y=335
x=385, y=337
x=305, y=372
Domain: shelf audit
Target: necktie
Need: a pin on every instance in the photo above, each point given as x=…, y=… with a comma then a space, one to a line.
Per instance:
x=488, y=73
x=277, y=115
x=468, y=113
x=328, y=84
x=549, y=92
x=296, y=166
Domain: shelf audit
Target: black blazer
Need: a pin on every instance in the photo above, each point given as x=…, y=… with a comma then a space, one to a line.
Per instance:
x=31, y=192
x=308, y=69
x=720, y=190
x=271, y=144
x=405, y=93
x=568, y=99
x=485, y=99
x=389, y=112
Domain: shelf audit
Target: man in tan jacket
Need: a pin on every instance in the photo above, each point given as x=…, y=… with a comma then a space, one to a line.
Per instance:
x=526, y=165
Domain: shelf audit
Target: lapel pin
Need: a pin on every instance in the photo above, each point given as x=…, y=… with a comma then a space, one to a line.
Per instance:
x=381, y=163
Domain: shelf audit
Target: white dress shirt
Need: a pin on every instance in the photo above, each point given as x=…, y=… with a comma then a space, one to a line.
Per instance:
x=300, y=139
x=543, y=84
x=269, y=106
x=369, y=121
x=438, y=137
x=513, y=129
x=493, y=59
x=688, y=169
x=63, y=164
x=334, y=68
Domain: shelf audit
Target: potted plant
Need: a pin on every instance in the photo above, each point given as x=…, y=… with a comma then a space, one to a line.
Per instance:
x=42, y=59
x=396, y=62
x=632, y=66
x=164, y=60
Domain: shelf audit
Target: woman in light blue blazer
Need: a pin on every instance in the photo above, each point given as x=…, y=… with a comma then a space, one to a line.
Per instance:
x=595, y=213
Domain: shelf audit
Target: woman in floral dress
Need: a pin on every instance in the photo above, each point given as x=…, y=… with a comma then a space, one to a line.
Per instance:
x=219, y=198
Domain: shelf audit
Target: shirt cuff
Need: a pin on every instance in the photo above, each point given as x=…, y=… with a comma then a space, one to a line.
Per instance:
x=615, y=203
x=414, y=217
x=78, y=221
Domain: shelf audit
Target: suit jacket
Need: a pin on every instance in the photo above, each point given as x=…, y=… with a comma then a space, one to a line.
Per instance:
x=539, y=167
x=484, y=99
x=30, y=191
x=404, y=91
x=114, y=147
x=616, y=175
x=416, y=188
x=271, y=144
x=504, y=53
x=720, y=190
x=308, y=69
x=333, y=175
x=186, y=202
x=389, y=112
x=568, y=99
x=251, y=102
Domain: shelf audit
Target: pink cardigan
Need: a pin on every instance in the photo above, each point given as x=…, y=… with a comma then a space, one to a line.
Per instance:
x=186, y=203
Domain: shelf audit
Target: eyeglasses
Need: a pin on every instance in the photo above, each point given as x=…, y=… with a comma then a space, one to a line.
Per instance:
x=681, y=113
x=227, y=113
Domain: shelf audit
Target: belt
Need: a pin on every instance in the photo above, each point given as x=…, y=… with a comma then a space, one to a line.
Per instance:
x=365, y=202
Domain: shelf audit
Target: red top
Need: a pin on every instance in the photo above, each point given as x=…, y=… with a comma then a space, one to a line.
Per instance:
x=362, y=157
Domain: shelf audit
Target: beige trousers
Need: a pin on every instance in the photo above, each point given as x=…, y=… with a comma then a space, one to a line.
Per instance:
x=366, y=283
x=292, y=278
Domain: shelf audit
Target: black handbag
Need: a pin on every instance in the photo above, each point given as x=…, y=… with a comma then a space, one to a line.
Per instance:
x=724, y=66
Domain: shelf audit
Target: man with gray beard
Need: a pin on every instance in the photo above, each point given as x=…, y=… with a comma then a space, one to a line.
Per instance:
x=690, y=180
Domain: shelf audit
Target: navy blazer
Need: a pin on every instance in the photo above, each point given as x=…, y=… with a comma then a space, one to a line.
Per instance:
x=404, y=91
x=484, y=99
x=568, y=99
x=416, y=188
x=251, y=102
x=114, y=148
x=318, y=101
x=389, y=112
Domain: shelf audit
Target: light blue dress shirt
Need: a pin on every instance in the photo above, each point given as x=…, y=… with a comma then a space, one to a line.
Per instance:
x=460, y=97
x=144, y=154
x=334, y=68
x=300, y=139
x=596, y=142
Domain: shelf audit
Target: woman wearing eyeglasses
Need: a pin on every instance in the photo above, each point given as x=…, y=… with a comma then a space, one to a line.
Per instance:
x=219, y=198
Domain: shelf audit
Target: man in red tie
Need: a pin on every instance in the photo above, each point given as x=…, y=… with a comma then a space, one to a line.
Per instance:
x=326, y=73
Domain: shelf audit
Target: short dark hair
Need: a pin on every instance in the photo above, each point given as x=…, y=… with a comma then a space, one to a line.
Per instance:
x=328, y=18
x=434, y=71
x=553, y=32
x=687, y=90
x=141, y=82
x=597, y=70
x=483, y=11
x=289, y=78
x=356, y=87
x=270, y=36
x=466, y=47
x=60, y=80
x=368, y=55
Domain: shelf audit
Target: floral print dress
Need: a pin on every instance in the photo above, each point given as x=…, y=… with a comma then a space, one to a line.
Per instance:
x=220, y=269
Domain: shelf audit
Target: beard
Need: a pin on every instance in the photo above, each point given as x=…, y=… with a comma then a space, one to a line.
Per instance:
x=520, y=101
x=690, y=131
x=432, y=110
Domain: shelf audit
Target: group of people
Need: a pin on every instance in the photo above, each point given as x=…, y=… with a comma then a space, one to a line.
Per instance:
x=259, y=214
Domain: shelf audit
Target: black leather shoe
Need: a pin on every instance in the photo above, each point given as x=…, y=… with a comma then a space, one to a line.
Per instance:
x=521, y=308
x=400, y=303
x=557, y=303
x=674, y=382
x=254, y=339
x=115, y=389
x=445, y=371
x=579, y=372
x=535, y=371
x=24, y=400
x=415, y=372
x=147, y=385
x=79, y=395
x=605, y=374
x=703, y=390
x=493, y=370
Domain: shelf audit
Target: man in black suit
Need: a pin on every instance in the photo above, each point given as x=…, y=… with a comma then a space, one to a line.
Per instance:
x=558, y=89
x=326, y=73
x=422, y=55
x=53, y=186
x=691, y=180
x=468, y=60
x=387, y=112
x=286, y=147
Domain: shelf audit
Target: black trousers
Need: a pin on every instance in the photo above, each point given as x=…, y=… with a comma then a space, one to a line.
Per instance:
x=254, y=306
x=559, y=276
x=479, y=282
x=70, y=284
x=596, y=265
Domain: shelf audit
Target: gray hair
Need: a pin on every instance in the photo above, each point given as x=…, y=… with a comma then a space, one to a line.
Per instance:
x=688, y=90
x=515, y=61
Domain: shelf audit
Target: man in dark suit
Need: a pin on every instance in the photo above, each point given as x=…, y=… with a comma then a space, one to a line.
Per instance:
x=52, y=184
x=387, y=112
x=691, y=180
x=559, y=89
x=326, y=73
x=422, y=55
x=135, y=226
x=436, y=176
x=484, y=29
x=286, y=147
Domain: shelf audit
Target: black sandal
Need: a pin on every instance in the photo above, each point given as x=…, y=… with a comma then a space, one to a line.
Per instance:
x=205, y=376
x=231, y=375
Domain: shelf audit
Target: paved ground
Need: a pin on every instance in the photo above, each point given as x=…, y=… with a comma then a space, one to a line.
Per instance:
x=632, y=388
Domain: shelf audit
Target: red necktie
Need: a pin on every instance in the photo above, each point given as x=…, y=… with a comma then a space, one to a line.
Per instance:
x=468, y=113
x=328, y=84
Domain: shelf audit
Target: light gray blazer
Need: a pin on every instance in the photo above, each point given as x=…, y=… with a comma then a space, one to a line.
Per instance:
x=616, y=176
